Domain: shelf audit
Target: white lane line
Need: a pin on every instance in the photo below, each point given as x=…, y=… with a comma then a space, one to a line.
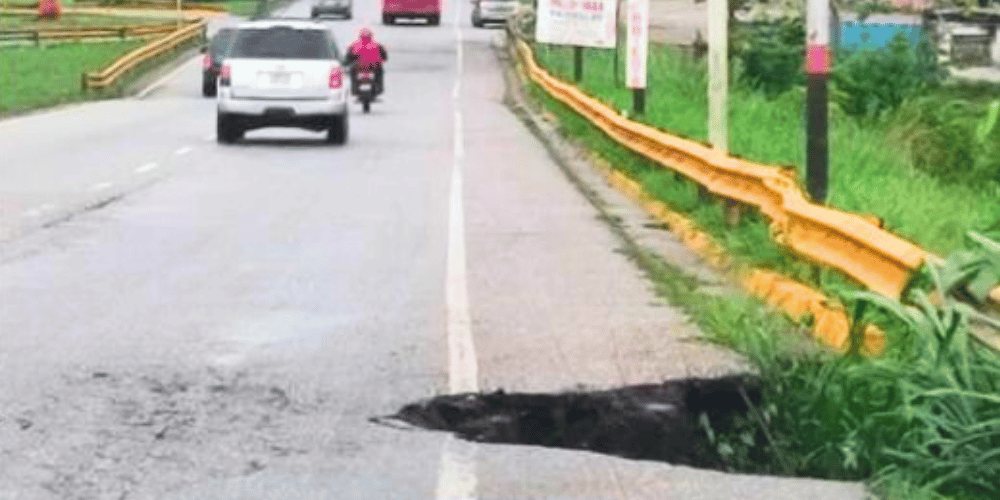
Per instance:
x=210, y=137
x=457, y=475
x=48, y=207
x=31, y=213
x=100, y=186
x=183, y=151
x=146, y=168
x=169, y=76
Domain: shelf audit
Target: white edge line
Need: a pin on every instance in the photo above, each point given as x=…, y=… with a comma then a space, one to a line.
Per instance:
x=101, y=185
x=183, y=151
x=159, y=83
x=146, y=168
x=457, y=473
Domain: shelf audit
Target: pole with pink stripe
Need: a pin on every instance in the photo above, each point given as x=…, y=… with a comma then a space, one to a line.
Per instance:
x=818, y=67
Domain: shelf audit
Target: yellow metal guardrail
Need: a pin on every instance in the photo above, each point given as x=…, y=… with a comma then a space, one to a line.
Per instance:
x=87, y=32
x=850, y=243
x=119, y=68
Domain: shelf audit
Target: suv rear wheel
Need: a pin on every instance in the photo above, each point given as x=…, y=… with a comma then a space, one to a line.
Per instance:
x=227, y=130
x=337, y=134
x=388, y=19
x=208, y=88
x=434, y=19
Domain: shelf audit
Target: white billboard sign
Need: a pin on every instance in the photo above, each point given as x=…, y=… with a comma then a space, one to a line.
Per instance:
x=586, y=23
x=637, y=43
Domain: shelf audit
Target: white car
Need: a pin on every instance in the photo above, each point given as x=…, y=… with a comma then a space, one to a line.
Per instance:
x=282, y=73
x=484, y=11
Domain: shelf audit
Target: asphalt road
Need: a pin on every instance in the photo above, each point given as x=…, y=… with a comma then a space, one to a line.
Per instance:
x=184, y=320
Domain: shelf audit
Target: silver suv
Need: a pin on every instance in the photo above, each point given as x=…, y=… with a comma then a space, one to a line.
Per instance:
x=332, y=7
x=282, y=73
x=498, y=11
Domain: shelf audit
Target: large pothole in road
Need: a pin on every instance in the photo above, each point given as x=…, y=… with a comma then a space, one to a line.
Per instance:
x=671, y=422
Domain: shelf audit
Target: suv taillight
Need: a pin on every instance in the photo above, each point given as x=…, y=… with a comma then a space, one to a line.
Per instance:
x=224, y=75
x=336, y=77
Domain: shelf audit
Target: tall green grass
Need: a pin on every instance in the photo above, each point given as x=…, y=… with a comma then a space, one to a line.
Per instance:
x=919, y=423
x=869, y=173
x=34, y=77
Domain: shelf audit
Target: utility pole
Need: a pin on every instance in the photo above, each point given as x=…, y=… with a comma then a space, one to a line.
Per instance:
x=718, y=74
x=818, y=64
x=638, y=48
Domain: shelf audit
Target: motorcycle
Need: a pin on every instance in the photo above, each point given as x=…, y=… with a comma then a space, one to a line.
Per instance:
x=365, y=87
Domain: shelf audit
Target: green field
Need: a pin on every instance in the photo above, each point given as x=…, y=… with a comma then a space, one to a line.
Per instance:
x=869, y=174
x=242, y=8
x=27, y=21
x=34, y=77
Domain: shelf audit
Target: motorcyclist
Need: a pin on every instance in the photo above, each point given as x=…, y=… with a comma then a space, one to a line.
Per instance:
x=366, y=53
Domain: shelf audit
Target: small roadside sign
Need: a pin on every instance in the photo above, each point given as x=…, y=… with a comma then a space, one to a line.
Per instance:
x=637, y=43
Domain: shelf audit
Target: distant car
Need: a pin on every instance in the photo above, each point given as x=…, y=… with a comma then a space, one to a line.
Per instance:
x=212, y=60
x=427, y=9
x=282, y=73
x=495, y=11
x=332, y=7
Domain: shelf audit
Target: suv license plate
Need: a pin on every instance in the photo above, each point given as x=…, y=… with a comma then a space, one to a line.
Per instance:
x=281, y=79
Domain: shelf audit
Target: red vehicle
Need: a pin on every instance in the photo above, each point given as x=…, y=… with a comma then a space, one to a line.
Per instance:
x=427, y=9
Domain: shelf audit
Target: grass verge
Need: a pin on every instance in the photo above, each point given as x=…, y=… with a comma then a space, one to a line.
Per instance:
x=29, y=21
x=869, y=175
x=242, y=8
x=48, y=75
x=920, y=423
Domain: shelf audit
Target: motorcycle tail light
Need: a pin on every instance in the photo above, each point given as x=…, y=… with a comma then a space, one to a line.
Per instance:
x=224, y=75
x=336, y=77
x=366, y=75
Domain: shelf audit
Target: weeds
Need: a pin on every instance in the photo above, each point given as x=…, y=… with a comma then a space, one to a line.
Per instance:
x=871, y=172
x=921, y=422
x=35, y=77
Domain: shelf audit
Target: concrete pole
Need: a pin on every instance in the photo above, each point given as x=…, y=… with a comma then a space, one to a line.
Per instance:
x=818, y=66
x=718, y=74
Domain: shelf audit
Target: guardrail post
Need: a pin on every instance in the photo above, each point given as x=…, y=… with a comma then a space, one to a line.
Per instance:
x=639, y=100
x=83, y=81
x=577, y=63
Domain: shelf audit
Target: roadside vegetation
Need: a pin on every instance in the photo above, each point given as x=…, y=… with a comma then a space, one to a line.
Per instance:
x=921, y=421
x=924, y=157
x=9, y=21
x=242, y=8
x=35, y=77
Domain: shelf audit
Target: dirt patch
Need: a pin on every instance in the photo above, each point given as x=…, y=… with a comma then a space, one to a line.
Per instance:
x=665, y=422
x=106, y=434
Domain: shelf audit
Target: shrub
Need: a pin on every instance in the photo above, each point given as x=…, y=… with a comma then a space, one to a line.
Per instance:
x=875, y=82
x=770, y=55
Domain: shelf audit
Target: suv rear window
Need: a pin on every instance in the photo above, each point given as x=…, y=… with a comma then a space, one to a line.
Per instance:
x=282, y=43
x=220, y=42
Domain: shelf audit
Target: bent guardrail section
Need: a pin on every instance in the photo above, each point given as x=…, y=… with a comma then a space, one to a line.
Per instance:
x=110, y=75
x=86, y=32
x=850, y=243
